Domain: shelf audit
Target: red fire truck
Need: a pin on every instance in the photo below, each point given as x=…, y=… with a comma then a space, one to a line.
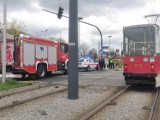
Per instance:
x=34, y=56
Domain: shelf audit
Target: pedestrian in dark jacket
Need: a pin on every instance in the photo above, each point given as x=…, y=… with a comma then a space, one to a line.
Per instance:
x=101, y=63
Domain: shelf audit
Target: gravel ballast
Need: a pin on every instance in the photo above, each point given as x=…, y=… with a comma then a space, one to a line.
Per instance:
x=58, y=106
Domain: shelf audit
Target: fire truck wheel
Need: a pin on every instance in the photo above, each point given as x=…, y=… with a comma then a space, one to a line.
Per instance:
x=41, y=71
x=49, y=74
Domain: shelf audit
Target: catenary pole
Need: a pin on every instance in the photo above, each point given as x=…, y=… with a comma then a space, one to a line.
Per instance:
x=73, y=87
x=4, y=41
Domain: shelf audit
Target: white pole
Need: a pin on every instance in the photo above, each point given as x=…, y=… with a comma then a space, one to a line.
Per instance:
x=109, y=43
x=79, y=19
x=4, y=41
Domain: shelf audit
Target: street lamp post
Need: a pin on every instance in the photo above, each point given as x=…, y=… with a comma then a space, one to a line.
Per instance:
x=43, y=32
x=122, y=48
x=109, y=43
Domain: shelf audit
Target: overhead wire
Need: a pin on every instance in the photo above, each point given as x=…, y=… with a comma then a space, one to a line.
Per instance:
x=152, y=6
x=91, y=6
x=155, y=5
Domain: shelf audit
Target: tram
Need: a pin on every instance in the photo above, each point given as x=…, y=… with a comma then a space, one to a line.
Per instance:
x=141, y=49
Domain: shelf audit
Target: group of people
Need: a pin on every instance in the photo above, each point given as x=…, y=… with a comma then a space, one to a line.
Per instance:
x=107, y=62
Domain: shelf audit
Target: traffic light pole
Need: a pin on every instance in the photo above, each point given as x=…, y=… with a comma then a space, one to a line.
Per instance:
x=98, y=31
x=84, y=23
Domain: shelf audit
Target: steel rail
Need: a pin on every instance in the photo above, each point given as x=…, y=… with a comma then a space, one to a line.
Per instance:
x=153, y=112
x=15, y=103
x=39, y=86
x=94, y=111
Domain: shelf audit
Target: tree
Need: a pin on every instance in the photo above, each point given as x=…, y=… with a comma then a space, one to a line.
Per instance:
x=93, y=53
x=60, y=40
x=83, y=48
x=15, y=28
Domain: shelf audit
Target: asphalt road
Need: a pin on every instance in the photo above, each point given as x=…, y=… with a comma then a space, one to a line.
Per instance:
x=104, y=77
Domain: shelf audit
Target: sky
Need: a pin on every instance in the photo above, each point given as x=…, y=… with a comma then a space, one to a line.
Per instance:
x=110, y=16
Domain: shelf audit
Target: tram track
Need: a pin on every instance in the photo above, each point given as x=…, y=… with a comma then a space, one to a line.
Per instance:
x=40, y=85
x=17, y=103
x=154, y=111
x=31, y=94
x=127, y=92
x=111, y=109
x=43, y=85
x=94, y=111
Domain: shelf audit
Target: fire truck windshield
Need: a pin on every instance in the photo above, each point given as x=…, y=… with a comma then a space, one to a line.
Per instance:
x=64, y=48
x=139, y=40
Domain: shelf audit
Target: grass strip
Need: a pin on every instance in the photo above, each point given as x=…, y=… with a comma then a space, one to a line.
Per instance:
x=11, y=84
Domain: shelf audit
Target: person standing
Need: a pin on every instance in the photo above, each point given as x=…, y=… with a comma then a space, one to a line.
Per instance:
x=110, y=63
x=106, y=63
x=101, y=63
x=113, y=63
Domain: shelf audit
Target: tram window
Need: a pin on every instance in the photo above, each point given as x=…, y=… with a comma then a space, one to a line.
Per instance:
x=139, y=40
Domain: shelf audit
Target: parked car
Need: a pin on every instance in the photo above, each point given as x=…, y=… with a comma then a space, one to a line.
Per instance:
x=88, y=64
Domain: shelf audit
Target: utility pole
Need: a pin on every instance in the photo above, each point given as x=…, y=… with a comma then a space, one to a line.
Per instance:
x=4, y=41
x=73, y=50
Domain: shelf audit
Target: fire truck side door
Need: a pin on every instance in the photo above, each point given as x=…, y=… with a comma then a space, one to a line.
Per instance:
x=29, y=54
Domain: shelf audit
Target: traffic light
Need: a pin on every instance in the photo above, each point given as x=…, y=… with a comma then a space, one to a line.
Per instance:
x=60, y=12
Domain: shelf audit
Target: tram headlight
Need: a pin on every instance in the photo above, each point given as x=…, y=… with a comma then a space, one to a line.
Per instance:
x=145, y=59
x=151, y=59
x=152, y=68
x=125, y=67
x=131, y=59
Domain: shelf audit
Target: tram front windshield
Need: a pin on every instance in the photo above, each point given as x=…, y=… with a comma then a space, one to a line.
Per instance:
x=139, y=41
